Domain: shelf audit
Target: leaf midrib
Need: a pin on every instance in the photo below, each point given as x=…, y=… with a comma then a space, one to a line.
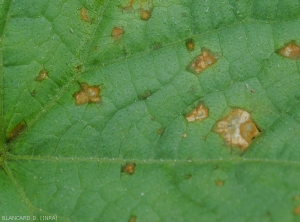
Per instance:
x=233, y=160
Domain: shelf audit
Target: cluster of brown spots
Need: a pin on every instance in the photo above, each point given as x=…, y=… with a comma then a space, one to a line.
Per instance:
x=219, y=183
x=87, y=94
x=291, y=51
x=190, y=44
x=117, y=32
x=202, y=62
x=128, y=168
x=16, y=131
x=297, y=210
x=42, y=75
x=238, y=129
x=200, y=113
x=145, y=14
x=84, y=16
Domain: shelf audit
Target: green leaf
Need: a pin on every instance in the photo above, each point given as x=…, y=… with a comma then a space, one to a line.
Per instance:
x=68, y=162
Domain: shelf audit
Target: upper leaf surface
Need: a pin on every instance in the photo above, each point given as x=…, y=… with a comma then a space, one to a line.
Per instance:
x=68, y=159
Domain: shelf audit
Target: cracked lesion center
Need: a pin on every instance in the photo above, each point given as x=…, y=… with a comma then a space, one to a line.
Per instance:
x=238, y=129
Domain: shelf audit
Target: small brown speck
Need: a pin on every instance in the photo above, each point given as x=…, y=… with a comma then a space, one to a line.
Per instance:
x=128, y=168
x=145, y=15
x=219, y=183
x=117, y=32
x=160, y=131
x=132, y=219
x=33, y=93
x=190, y=44
x=42, y=75
x=187, y=176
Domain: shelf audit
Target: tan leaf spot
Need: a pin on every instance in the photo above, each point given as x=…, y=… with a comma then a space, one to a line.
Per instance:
x=128, y=168
x=145, y=15
x=42, y=75
x=84, y=16
x=87, y=94
x=202, y=62
x=200, y=113
x=238, y=129
x=117, y=32
x=291, y=51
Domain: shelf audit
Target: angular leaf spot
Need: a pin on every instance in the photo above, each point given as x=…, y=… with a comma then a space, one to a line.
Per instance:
x=128, y=168
x=16, y=131
x=238, y=129
x=185, y=135
x=42, y=75
x=84, y=16
x=297, y=210
x=87, y=94
x=291, y=51
x=190, y=44
x=200, y=113
x=202, y=62
x=117, y=32
x=145, y=15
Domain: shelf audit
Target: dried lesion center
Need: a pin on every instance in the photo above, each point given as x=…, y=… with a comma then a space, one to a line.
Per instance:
x=238, y=129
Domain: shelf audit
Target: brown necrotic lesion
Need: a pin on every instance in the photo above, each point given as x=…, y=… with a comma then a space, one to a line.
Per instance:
x=199, y=113
x=16, y=131
x=202, y=62
x=238, y=129
x=291, y=51
x=84, y=15
x=87, y=94
x=43, y=74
